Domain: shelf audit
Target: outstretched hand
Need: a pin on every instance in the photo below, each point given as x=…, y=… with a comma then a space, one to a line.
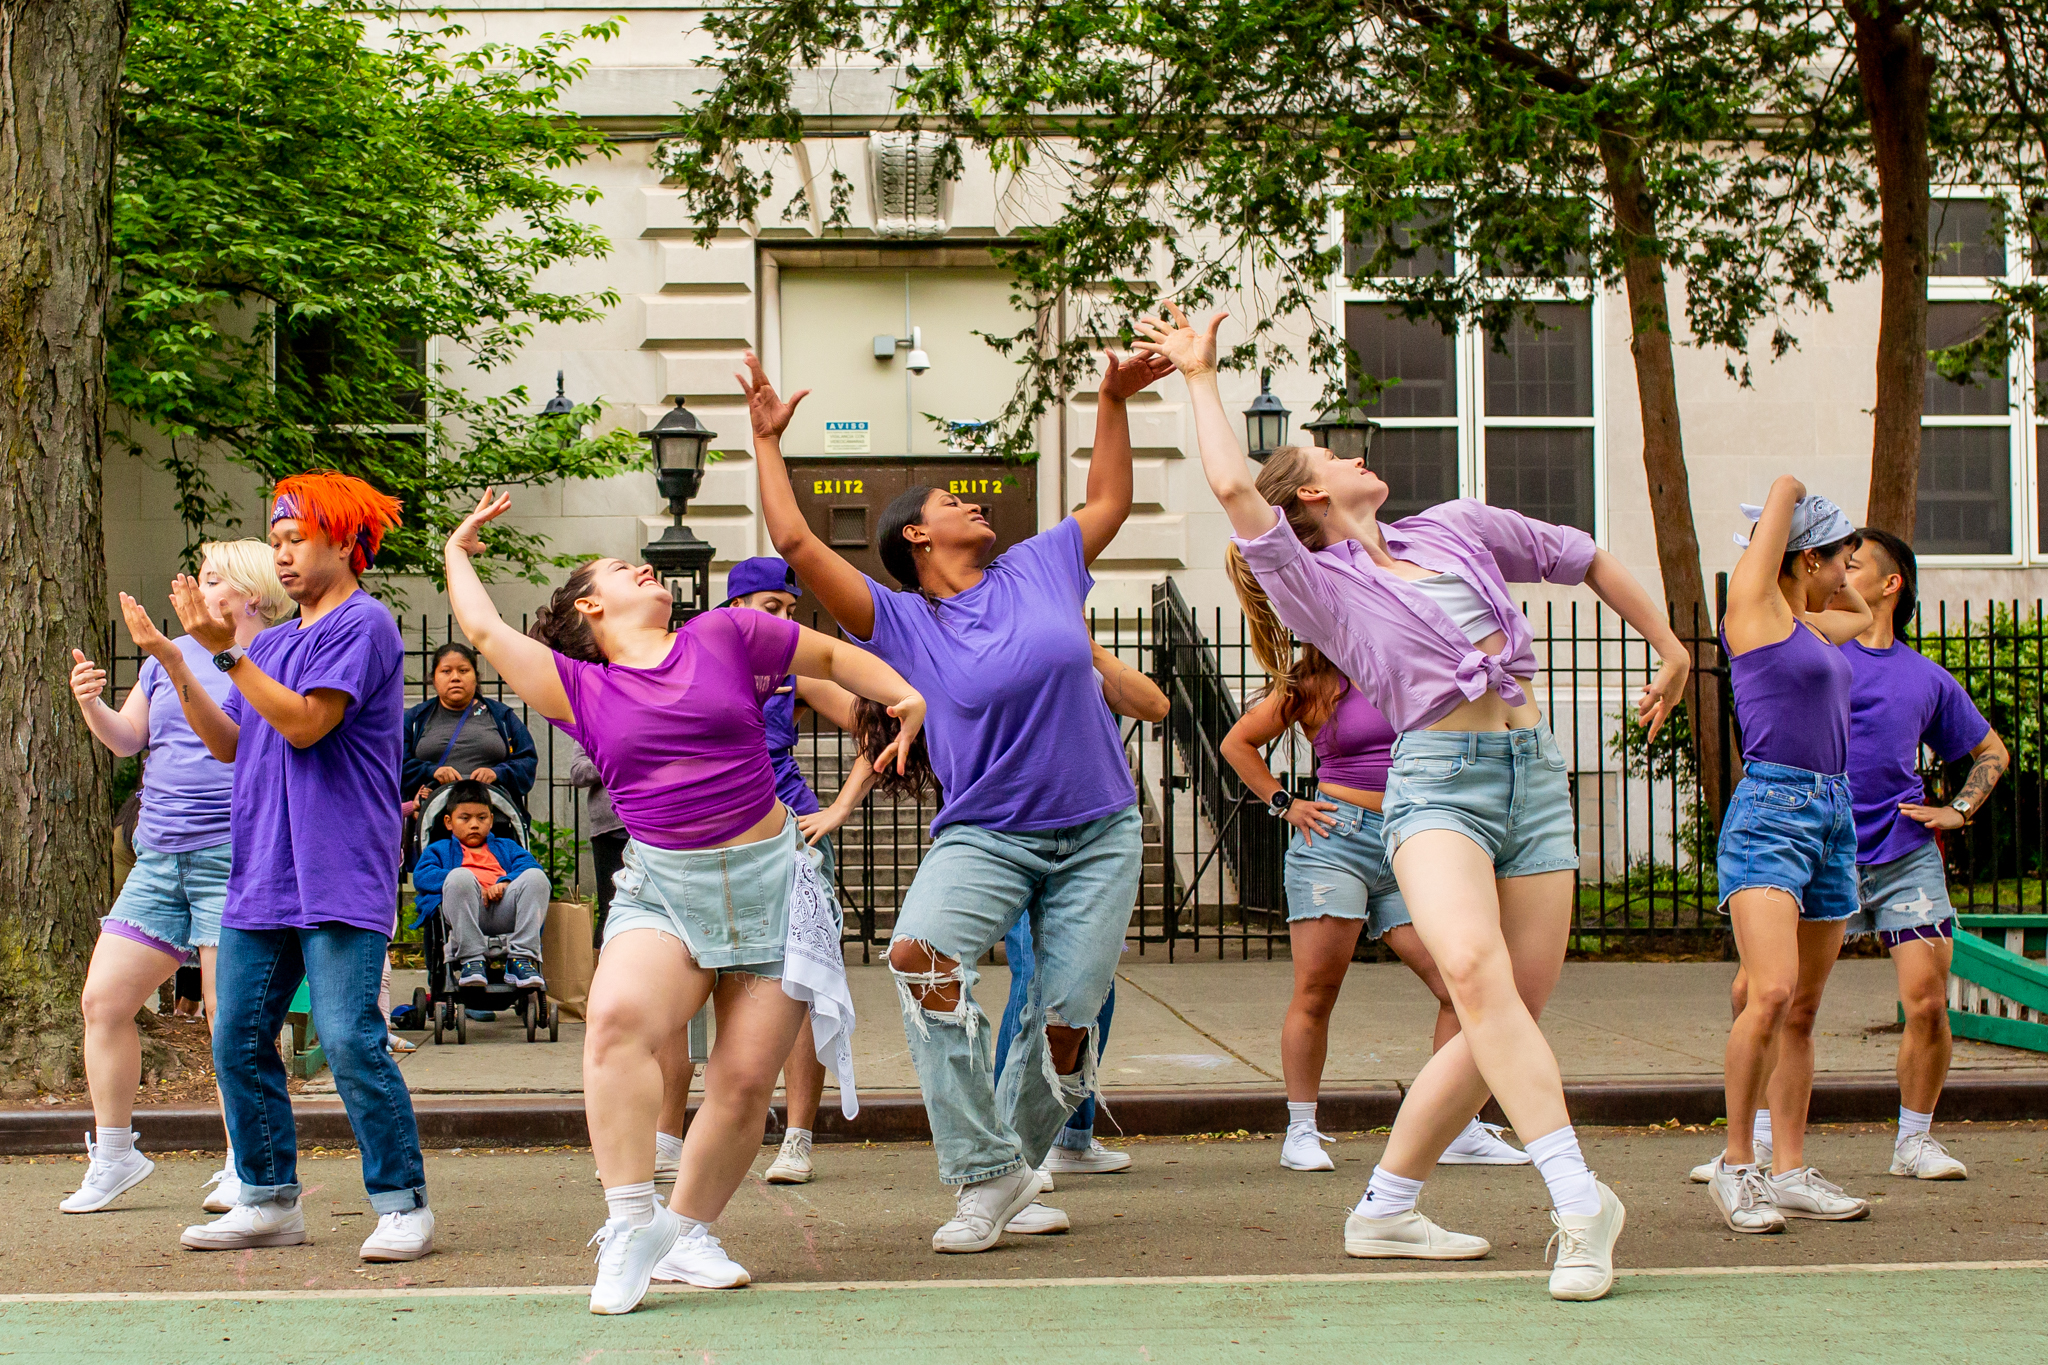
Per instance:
x=468, y=537
x=909, y=714
x=1129, y=376
x=214, y=633
x=1662, y=694
x=1191, y=349
x=768, y=412
x=144, y=632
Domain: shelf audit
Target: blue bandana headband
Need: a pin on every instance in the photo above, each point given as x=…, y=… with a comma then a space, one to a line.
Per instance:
x=1815, y=521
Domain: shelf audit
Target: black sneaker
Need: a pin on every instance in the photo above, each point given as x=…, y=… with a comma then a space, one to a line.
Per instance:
x=523, y=973
x=471, y=973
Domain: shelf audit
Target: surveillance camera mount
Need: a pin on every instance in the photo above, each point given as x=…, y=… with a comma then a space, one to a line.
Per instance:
x=887, y=344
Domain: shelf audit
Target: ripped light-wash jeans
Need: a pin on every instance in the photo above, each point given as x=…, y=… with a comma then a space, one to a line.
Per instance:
x=1078, y=886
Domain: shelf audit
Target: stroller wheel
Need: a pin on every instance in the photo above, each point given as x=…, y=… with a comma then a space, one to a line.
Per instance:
x=530, y=1006
x=461, y=1023
x=440, y=1020
x=554, y=1022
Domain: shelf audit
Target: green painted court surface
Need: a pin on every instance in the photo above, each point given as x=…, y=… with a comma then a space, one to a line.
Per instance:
x=1896, y=1314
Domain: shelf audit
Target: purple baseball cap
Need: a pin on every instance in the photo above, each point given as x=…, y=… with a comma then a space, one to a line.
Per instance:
x=765, y=573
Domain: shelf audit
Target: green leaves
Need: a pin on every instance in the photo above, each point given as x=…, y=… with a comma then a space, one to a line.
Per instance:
x=306, y=191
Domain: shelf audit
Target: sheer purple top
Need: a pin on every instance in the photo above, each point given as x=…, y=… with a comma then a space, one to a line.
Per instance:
x=1355, y=747
x=1792, y=700
x=1393, y=642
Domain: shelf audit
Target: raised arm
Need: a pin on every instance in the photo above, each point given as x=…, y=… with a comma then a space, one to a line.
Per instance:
x=1193, y=353
x=1611, y=581
x=1109, y=462
x=1128, y=692
x=124, y=731
x=842, y=588
x=1255, y=729
x=1758, y=614
x=864, y=675
x=525, y=663
x=828, y=699
x=1847, y=616
x=221, y=736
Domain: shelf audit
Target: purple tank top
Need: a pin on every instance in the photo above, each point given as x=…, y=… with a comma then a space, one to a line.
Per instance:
x=1792, y=699
x=1355, y=746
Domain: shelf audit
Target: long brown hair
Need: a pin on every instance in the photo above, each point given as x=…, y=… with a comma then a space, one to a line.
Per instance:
x=561, y=627
x=1304, y=681
x=873, y=729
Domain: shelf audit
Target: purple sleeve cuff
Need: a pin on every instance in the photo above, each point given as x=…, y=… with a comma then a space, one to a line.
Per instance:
x=1574, y=558
x=1271, y=549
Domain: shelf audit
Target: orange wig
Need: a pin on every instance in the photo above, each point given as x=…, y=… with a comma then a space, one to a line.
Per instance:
x=346, y=509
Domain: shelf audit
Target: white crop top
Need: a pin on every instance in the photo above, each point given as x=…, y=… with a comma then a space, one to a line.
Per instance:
x=1461, y=602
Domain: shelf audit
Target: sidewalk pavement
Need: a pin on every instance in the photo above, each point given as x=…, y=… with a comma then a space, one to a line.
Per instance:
x=1215, y=1027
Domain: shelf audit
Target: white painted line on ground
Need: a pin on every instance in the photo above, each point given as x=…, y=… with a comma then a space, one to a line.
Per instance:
x=865, y=1286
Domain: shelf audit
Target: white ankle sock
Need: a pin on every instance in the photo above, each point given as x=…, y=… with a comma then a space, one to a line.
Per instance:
x=1760, y=1127
x=1301, y=1113
x=801, y=1133
x=1563, y=1167
x=634, y=1203
x=1388, y=1195
x=667, y=1147
x=1909, y=1123
x=114, y=1144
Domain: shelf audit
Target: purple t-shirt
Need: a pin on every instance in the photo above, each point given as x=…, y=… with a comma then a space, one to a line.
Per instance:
x=681, y=746
x=1899, y=699
x=316, y=830
x=1019, y=734
x=185, y=790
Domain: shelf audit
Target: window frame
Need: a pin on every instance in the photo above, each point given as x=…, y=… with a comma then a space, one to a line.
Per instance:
x=430, y=356
x=1469, y=347
x=2029, y=539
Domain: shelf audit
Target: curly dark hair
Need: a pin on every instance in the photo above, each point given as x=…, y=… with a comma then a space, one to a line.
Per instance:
x=561, y=627
x=873, y=729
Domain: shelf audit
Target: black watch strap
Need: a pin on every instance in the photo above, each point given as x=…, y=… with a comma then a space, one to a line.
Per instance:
x=1279, y=802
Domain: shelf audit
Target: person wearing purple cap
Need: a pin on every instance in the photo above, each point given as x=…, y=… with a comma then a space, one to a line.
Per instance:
x=1786, y=862
x=767, y=584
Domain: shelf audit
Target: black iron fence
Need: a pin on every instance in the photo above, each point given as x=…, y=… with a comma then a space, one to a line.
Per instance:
x=1646, y=814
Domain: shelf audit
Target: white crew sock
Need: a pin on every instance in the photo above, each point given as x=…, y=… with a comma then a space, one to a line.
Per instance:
x=803, y=1136
x=1301, y=1113
x=1760, y=1127
x=115, y=1144
x=1563, y=1167
x=634, y=1203
x=668, y=1148
x=1909, y=1123
x=1388, y=1195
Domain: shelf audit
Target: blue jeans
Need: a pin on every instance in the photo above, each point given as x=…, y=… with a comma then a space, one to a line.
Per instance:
x=1077, y=887
x=1794, y=831
x=258, y=972
x=1080, y=1129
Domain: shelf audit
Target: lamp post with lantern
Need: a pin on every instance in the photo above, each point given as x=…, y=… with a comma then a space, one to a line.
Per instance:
x=1265, y=421
x=680, y=445
x=1344, y=430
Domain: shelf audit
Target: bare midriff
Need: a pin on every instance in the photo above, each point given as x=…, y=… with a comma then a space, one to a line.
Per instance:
x=1357, y=796
x=767, y=827
x=1492, y=711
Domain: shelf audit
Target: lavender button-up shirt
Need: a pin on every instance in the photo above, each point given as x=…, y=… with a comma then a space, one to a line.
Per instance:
x=1390, y=639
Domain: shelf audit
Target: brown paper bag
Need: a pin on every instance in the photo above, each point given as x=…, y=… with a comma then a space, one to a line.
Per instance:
x=567, y=958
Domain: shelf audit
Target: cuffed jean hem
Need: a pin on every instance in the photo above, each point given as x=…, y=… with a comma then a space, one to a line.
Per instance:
x=253, y=1195
x=398, y=1201
x=1075, y=1139
x=976, y=1177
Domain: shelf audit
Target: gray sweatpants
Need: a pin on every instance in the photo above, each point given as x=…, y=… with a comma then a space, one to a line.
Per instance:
x=520, y=912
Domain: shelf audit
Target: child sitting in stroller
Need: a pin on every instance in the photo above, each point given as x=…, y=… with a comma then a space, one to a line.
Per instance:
x=480, y=884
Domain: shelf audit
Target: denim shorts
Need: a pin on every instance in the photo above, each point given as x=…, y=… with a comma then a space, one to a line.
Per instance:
x=729, y=906
x=1344, y=874
x=1503, y=789
x=1794, y=831
x=1904, y=899
x=172, y=901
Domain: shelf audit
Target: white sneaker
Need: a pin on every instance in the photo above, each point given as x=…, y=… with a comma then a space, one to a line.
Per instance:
x=1303, y=1149
x=1805, y=1193
x=1481, y=1145
x=1920, y=1156
x=1037, y=1219
x=1744, y=1198
x=1409, y=1236
x=792, y=1165
x=665, y=1168
x=275, y=1224
x=1585, y=1249
x=1094, y=1159
x=626, y=1257
x=1703, y=1173
x=1044, y=1181
x=401, y=1235
x=226, y=1190
x=106, y=1179
x=985, y=1209
x=698, y=1258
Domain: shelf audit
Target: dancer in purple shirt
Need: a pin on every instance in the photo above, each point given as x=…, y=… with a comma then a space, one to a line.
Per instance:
x=1478, y=813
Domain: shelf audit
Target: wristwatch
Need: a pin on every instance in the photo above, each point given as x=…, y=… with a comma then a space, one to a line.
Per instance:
x=229, y=657
x=1278, y=804
x=1962, y=808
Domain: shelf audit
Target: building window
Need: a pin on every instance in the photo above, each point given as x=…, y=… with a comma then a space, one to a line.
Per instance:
x=1976, y=440
x=1510, y=418
x=311, y=353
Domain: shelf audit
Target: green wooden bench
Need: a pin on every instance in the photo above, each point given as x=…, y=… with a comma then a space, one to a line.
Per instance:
x=1997, y=992
x=303, y=1055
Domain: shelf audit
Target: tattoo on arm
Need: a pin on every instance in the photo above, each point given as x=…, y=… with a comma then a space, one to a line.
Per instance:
x=1984, y=775
x=185, y=692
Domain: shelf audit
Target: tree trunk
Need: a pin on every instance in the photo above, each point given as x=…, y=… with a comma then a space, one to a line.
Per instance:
x=1897, y=73
x=1678, y=542
x=60, y=63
